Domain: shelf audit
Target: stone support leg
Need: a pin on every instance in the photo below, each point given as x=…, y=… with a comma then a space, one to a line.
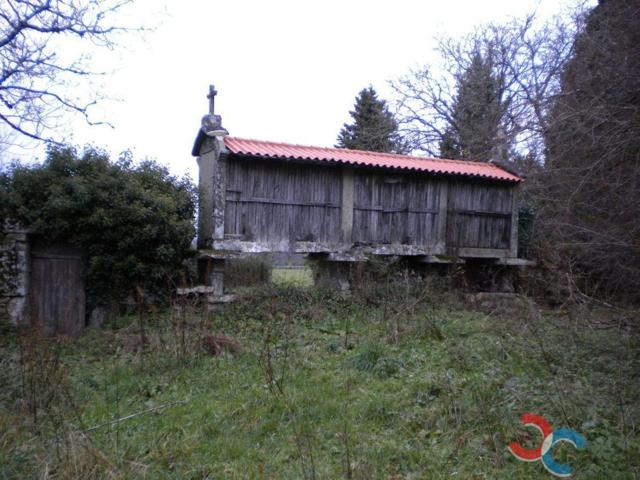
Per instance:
x=332, y=274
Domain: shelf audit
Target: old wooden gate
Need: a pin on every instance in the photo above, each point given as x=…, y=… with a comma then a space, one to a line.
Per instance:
x=57, y=290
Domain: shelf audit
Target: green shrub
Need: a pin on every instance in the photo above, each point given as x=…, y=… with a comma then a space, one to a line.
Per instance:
x=367, y=358
x=133, y=222
x=387, y=367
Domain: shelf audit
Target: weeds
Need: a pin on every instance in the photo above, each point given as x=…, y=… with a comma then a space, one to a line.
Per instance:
x=42, y=376
x=275, y=361
x=328, y=386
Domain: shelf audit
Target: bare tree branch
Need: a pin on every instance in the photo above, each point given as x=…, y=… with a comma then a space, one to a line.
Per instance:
x=526, y=60
x=36, y=85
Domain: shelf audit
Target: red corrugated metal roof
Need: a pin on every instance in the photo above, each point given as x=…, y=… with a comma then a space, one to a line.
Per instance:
x=260, y=148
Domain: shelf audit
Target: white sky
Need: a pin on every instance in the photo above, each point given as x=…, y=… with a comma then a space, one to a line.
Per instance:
x=285, y=70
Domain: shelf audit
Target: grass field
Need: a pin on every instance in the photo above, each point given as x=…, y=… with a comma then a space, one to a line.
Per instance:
x=398, y=384
x=300, y=277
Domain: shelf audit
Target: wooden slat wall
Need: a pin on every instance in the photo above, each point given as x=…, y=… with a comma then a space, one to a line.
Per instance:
x=395, y=209
x=280, y=202
x=479, y=215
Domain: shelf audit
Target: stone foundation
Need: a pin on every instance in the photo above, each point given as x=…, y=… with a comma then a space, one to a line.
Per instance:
x=332, y=274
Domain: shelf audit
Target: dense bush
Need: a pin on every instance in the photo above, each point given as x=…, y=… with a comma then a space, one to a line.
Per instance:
x=133, y=222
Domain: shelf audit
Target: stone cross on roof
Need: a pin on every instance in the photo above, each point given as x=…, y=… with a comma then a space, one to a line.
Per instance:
x=212, y=97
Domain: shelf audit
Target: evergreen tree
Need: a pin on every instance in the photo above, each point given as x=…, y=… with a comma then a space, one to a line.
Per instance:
x=474, y=132
x=373, y=128
x=450, y=145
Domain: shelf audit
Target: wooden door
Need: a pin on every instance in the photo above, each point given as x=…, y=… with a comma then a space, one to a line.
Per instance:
x=57, y=290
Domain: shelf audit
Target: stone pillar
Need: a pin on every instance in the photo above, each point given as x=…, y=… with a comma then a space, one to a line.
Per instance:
x=14, y=274
x=216, y=277
x=219, y=187
x=211, y=152
x=332, y=274
x=205, y=195
x=505, y=280
x=211, y=182
x=211, y=274
x=216, y=296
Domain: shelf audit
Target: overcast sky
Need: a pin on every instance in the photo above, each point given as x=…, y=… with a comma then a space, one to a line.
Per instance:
x=285, y=70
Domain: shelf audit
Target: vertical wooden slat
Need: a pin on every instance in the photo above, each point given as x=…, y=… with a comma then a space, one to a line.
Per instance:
x=421, y=210
x=440, y=237
x=513, y=238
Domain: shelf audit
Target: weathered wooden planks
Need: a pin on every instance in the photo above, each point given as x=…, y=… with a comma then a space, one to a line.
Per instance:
x=396, y=209
x=283, y=202
x=57, y=290
x=479, y=215
x=279, y=203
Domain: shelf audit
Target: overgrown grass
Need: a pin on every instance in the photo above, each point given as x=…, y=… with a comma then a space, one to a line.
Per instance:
x=301, y=277
x=331, y=386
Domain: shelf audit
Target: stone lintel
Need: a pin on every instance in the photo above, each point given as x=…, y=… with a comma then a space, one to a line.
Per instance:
x=199, y=289
x=397, y=250
x=440, y=259
x=354, y=256
x=242, y=246
x=221, y=299
x=484, y=252
x=235, y=248
x=516, y=262
x=219, y=254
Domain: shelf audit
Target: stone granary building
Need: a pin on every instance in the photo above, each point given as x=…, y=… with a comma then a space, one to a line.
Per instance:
x=340, y=205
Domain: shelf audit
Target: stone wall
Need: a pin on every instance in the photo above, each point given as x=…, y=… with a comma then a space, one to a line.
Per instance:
x=14, y=273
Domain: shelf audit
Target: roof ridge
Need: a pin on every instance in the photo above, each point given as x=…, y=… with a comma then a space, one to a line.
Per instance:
x=365, y=152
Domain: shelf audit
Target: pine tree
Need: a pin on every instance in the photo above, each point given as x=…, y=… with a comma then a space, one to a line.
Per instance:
x=477, y=112
x=373, y=128
x=450, y=145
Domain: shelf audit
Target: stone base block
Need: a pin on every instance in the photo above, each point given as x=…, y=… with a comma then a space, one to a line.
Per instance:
x=511, y=304
x=334, y=275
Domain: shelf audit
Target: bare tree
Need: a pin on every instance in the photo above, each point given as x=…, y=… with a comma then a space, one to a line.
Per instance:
x=589, y=190
x=36, y=80
x=539, y=56
x=5, y=143
x=526, y=60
